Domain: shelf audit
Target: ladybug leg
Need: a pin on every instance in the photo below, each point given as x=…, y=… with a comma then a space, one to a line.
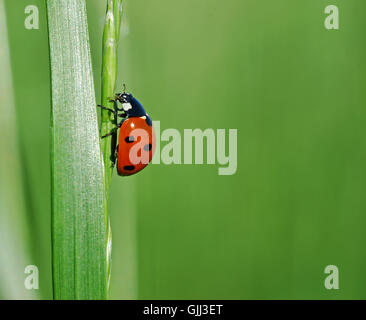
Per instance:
x=115, y=100
x=123, y=115
x=113, y=162
x=115, y=106
x=115, y=156
x=110, y=133
x=105, y=108
x=120, y=124
x=116, y=97
x=119, y=109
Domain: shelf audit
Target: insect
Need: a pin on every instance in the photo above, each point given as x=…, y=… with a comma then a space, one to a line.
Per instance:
x=136, y=139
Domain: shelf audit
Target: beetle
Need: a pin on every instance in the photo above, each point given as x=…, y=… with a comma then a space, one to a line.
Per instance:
x=136, y=139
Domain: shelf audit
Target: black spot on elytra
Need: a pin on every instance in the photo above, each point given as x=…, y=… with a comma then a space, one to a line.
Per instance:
x=148, y=120
x=129, y=168
x=148, y=147
x=129, y=139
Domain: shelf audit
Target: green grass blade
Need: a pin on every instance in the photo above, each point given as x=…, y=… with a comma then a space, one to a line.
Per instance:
x=79, y=219
x=109, y=77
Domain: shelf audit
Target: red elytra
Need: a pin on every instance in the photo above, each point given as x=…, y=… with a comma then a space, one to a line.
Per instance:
x=136, y=146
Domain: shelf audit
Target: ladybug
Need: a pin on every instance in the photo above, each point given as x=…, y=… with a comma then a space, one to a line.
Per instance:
x=136, y=139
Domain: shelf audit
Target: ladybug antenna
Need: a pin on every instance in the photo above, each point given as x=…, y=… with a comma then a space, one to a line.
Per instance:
x=124, y=88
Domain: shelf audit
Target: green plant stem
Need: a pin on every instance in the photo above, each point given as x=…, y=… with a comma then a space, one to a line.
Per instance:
x=109, y=77
x=79, y=211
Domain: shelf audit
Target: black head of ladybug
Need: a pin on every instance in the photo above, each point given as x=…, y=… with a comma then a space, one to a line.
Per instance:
x=131, y=105
x=124, y=97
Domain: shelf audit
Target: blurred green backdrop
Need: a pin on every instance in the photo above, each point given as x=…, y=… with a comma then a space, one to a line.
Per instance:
x=295, y=92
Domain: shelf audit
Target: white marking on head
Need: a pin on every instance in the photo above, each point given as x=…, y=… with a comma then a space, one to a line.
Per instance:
x=126, y=106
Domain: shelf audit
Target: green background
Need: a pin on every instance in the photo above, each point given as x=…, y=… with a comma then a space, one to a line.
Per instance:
x=295, y=92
